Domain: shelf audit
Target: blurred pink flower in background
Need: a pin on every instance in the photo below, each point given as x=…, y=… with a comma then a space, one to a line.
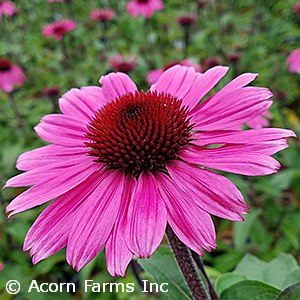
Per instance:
x=293, y=61
x=53, y=1
x=1, y=266
x=122, y=163
x=10, y=75
x=260, y=121
x=7, y=8
x=234, y=57
x=59, y=28
x=121, y=63
x=102, y=15
x=153, y=75
x=186, y=20
x=296, y=8
x=51, y=91
x=145, y=8
x=211, y=62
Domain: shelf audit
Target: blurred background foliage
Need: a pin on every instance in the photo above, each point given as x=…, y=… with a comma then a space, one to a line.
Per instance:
x=260, y=256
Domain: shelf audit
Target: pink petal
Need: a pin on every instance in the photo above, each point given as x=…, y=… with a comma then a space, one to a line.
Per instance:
x=62, y=130
x=184, y=83
x=210, y=191
x=48, y=155
x=231, y=159
x=46, y=172
x=95, y=220
x=118, y=255
x=252, y=136
x=233, y=109
x=146, y=222
x=192, y=225
x=115, y=85
x=50, y=231
x=51, y=188
x=83, y=103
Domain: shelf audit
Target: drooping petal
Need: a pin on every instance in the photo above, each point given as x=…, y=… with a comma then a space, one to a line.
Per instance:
x=95, y=220
x=252, y=136
x=192, y=225
x=48, y=155
x=146, y=222
x=115, y=85
x=230, y=159
x=50, y=231
x=52, y=188
x=231, y=110
x=118, y=255
x=184, y=83
x=210, y=191
x=34, y=177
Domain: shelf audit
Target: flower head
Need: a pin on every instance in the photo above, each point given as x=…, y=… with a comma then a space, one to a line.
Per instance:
x=102, y=15
x=10, y=75
x=59, y=29
x=234, y=57
x=121, y=63
x=51, y=91
x=145, y=8
x=296, y=8
x=186, y=20
x=210, y=62
x=7, y=8
x=53, y=1
x=153, y=75
x=123, y=162
x=293, y=61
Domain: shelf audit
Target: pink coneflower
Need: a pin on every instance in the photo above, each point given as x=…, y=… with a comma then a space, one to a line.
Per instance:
x=293, y=61
x=7, y=8
x=121, y=63
x=102, y=15
x=145, y=8
x=51, y=91
x=53, y=1
x=234, y=57
x=153, y=75
x=10, y=75
x=187, y=20
x=59, y=28
x=296, y=8
x=211, y=62
x=123, y=163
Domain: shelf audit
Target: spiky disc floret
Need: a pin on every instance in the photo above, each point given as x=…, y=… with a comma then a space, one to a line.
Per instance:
x=139, y=132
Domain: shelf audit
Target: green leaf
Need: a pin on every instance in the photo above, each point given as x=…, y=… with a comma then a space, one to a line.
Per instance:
x=249, y=289
x=163, y=268
x=226, y=280
x=280, y=272
x=242, y=230
x=290, y=293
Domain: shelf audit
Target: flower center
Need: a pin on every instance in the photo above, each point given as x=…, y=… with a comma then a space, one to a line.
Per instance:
x=59, y=29
x=139, y=132
x=5, y=65
x=142, y=1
